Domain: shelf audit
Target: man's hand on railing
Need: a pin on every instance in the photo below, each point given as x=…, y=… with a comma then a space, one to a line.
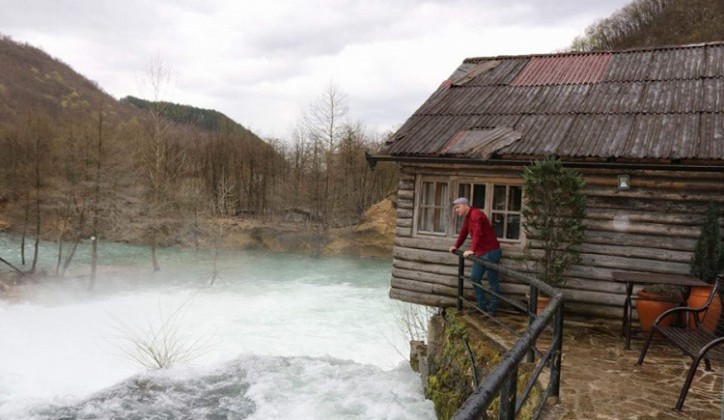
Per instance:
x=466, y=254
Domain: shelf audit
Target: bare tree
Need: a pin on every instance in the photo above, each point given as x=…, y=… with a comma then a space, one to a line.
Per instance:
x=324, y=123
x=155, y=153
x=41, y=135
x=96, y=199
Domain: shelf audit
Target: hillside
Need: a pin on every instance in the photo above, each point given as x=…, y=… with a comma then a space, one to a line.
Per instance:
x=33, y=81
x=205, y=119
x=656, y=23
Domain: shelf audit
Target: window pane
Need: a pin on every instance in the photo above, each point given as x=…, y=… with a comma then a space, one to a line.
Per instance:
x=513, y=231
x=499, y=197
x=441, y=194
x=440, y=220
x=427, y=193
x=514, y=198
x=433, y=207
x=498, y=224
x=479, y=196
x=464, y=190
x=425, y=220
x=458, y=223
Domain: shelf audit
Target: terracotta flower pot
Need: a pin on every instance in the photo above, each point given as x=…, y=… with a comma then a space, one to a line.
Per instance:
x=649, y=306
x=543, y=301
x=710, y=318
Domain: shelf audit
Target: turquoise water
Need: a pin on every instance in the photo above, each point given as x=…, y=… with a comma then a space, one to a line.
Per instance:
x=274, y=336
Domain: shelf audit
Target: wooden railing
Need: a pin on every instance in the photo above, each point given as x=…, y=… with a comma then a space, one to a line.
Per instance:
x=503, y=379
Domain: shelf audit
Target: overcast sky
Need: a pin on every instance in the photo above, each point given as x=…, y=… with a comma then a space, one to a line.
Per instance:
x=263, y=62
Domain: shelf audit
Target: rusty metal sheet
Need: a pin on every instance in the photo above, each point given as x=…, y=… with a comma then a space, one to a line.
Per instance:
x=563, y=69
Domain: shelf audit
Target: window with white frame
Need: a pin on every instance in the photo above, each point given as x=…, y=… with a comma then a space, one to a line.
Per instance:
x=433, y=210
x=505, y=212
x=501, y=202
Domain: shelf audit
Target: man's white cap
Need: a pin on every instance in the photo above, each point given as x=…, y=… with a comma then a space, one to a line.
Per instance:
x=461, y=200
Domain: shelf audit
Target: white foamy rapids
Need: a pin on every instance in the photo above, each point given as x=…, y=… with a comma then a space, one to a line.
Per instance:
x=273, y=337
x=257, y=387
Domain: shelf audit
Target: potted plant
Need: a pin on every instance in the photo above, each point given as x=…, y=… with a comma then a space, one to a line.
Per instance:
x=707, y=262
x=653, y=300
x=553, y=217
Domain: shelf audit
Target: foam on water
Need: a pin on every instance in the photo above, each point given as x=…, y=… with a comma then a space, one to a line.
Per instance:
x=275, y=337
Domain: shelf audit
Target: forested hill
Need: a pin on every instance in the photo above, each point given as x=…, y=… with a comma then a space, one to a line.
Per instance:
x=33, y=81
x=656, y=23
x=205, y=119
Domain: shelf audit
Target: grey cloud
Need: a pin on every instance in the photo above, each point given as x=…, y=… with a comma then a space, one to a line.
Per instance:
x=299, y=35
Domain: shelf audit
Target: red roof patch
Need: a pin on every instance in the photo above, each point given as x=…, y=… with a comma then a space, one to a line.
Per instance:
x=563, y=70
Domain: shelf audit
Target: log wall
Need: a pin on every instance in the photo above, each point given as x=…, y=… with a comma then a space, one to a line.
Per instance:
x=649, y=228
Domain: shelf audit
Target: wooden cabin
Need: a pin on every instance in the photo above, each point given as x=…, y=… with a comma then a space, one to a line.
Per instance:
x=644, y=127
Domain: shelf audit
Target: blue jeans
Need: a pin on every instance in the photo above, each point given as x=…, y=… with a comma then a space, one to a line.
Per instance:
x=476, y=275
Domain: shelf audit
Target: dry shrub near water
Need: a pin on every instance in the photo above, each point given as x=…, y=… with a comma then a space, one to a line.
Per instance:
x=163, y=343
x=412, y=319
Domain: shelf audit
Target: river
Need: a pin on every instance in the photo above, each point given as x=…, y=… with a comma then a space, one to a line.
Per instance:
x=271, y=337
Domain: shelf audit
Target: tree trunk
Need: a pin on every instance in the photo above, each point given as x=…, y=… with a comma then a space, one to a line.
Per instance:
x=37, y=207
x=96, y=199
x=70, y=256
x=25, y=231
x=154, y=260
x=94, y=262
x=60, y=254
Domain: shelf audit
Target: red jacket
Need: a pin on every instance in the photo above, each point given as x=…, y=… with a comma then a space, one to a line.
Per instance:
x=477, y=224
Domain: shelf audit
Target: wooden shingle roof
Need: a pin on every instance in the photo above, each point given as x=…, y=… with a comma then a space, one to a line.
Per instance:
x=659, y=104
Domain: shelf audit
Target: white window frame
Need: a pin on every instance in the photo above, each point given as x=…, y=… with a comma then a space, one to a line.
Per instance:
x=445, y=206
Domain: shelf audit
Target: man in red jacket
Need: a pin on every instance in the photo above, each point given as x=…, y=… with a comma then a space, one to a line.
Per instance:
x=484, y=245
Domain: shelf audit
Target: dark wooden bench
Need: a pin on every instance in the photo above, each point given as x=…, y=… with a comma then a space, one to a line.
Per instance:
x=697, y=343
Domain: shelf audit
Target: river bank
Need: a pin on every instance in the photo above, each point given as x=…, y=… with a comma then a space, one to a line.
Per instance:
x=373, y=237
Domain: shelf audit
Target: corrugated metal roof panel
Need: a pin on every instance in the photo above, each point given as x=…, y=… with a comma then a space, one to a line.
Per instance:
x=561, y=99
x=712, y=128
x=502, y=74
x=677, y=96
x=712, y=97
x=662, y=136
x=563, y=69
x=480, y=143
x=475, y=70
x=587, y=135
x=714, y=66
x=540, y=133
x=677, y=63
x=628, y=66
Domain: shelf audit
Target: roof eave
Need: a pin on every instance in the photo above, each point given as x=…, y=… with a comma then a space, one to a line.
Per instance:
x=693, y=166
